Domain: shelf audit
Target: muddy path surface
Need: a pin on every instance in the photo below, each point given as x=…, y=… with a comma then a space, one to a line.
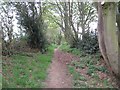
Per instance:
x=58, y=74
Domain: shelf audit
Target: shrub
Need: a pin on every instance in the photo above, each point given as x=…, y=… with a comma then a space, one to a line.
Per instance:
x=89, y=43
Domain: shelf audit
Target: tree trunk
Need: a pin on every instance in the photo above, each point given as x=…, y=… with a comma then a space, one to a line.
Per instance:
x=101, y=35
x=68, y=32
x=118, y=24
x=110, y=36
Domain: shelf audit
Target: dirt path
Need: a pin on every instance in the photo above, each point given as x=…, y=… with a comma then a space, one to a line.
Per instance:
x=58, y=74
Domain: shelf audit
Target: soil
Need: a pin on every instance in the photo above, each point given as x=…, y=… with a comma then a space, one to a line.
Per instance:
x=58, y=74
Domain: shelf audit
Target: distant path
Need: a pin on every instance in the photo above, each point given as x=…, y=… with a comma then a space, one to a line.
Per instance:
x=58, y=74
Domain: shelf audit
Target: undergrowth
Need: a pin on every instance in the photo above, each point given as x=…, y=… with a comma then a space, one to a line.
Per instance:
x=88, y=71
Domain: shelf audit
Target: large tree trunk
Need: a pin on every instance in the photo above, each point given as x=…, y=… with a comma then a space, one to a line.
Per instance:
x=101, y=35
x=118, y=24
x=108, y=40
x=111, y=40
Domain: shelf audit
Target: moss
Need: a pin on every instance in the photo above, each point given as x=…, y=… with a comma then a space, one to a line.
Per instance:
x=107, y=6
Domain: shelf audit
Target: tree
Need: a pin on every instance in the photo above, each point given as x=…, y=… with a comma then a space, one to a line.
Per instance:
x=87, y=14
x=30, y=16
x=65, y=21
x=108, y=40
x=7, y=28
x=118, y=24
x=70, y=18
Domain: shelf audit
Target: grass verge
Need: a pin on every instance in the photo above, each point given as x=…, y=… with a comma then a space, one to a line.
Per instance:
x=89, y=71
x=26, y=72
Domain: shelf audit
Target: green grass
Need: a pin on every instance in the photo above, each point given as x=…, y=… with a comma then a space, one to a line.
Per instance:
x=78, y=79
x=66, y=47
x=29, y=72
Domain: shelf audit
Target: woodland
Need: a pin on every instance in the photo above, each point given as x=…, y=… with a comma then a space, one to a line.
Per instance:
x=60, y=44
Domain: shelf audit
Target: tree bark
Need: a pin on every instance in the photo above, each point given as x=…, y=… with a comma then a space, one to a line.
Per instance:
x=118, y=32
x=111, y=40
x=107, y=36
x=101, y=35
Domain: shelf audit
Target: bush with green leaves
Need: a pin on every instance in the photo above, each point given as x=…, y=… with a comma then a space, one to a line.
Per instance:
x=89, y=43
